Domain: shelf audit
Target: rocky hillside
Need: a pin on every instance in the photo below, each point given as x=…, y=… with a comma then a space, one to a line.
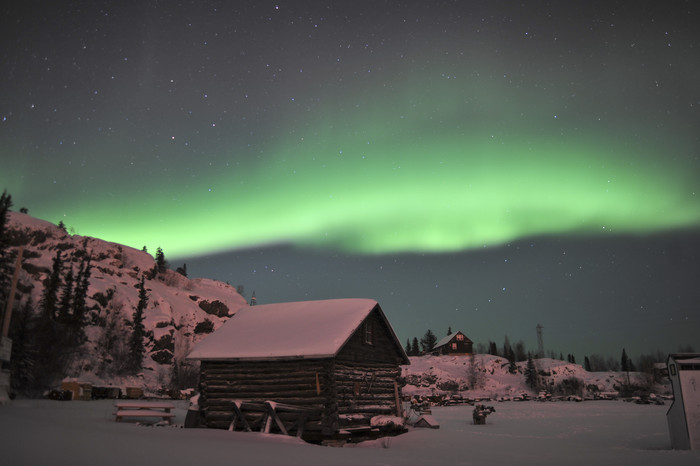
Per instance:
x=180, y=311
x=487, y=376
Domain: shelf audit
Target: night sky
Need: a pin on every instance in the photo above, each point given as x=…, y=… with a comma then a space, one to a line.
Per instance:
x=482, y=165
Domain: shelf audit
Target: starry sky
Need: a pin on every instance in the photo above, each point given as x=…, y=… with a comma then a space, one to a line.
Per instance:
x=482, y=165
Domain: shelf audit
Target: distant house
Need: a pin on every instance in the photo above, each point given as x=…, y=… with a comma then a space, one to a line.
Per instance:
x=338, y=358
x=454, y=343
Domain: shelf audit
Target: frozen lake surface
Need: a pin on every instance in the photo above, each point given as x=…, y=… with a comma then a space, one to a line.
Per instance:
x=34, y=432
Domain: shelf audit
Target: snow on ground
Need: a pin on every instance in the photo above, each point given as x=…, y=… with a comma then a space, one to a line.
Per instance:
x=593, y=432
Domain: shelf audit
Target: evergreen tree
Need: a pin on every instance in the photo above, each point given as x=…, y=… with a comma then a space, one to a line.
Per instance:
x=512, y=367
x=520, y=353
x=182, y=270
x=428, y=341
x=82, y=283
x=625, y=362
x=493, y=348
x=161, y=264
x=531, y=373
x=23, y=350
x=408, y=347
x=6, y=265
x=415, y=351
x=136, y=348
x=449, y=330
x=49, y=298
x=508, y=352
x=586, y=364
x=66, y=300
x=5, y=205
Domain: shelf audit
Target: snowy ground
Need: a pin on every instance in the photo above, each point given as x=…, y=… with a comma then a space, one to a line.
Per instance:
x=74, y=433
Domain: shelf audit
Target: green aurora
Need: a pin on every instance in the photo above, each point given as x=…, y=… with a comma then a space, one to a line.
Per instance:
x=428, y=164
x=373, y=195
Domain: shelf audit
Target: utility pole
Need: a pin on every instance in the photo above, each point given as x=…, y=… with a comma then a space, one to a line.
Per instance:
x=540, y=343
x=5, y=342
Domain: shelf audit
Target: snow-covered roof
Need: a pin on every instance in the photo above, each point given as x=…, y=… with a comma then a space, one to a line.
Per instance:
x=305, y=329
x=447, y=339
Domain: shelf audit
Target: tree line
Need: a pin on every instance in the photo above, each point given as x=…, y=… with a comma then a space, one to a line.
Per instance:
x=518, y=352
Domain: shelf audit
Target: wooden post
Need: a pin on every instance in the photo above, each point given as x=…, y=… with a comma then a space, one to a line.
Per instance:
x=11, y=298
x=399, y=410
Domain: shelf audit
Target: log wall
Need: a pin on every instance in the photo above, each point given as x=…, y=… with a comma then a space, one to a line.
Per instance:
x=306, y=383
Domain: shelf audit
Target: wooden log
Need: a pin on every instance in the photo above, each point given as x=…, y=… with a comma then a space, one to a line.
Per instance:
x=224, y=401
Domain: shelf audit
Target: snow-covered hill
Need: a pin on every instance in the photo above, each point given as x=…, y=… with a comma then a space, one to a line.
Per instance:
x=180, y=310
x=487, y=376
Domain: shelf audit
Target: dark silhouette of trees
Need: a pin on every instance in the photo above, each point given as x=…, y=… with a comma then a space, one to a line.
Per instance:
x=415, y=350
x=428, y=341
x=5, y=256
x=161, y=264
x=493, y=348
x=136, y=348
x=49, y=297
x=531, y=378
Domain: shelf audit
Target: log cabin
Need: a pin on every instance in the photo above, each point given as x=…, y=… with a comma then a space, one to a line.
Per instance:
x=454, y=343
x=339, y=360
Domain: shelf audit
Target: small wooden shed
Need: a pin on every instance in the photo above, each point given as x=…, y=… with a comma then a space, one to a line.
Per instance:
x=339, y=359
x=454, y=343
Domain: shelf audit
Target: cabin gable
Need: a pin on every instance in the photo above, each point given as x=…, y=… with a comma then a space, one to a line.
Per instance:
x=373, y=340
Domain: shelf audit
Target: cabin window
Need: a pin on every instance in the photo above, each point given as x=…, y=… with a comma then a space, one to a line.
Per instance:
x=454, y=346
x=367, y=332
x=460, y=337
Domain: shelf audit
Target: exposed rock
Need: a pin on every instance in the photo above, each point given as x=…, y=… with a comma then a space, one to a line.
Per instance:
x=216, y=308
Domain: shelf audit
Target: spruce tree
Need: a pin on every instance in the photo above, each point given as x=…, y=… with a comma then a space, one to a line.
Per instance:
x=531, y=373
x=586, y=364
x=428, y=341
x=136, y=348
x=415, y=351
x=82, y=282
x=5, y=256
x=23, y=356
x=408, y=347
x=49, y=298
x=161, y=264
x=66, y=300
x=624, y=361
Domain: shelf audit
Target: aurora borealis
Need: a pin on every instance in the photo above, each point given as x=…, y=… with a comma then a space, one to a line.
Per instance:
x=372, y=132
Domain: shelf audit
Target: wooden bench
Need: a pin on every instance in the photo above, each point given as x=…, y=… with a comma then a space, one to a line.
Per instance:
x=159, y=409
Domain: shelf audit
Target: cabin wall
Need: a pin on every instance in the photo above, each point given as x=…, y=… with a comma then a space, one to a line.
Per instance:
x=366, y=390
x=366, y=375
x=307, y=383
